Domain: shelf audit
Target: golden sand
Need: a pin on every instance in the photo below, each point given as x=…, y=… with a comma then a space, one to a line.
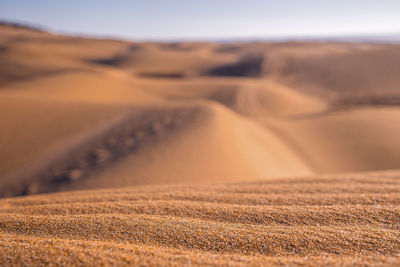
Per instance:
x=342, y=220
x=180, y=146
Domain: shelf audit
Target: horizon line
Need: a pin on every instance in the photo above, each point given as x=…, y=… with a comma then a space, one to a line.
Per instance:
x=332, y=37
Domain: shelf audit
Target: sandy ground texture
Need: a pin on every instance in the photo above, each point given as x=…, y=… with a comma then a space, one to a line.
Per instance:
x=346, y=220
x=188, y=152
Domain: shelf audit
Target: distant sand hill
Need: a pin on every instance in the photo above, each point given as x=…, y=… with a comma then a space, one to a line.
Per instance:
x=84, y=114
x=80, y=113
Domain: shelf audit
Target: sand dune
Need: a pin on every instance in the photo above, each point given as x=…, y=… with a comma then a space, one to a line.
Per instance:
x=214, y=140
x=198, y=150
x=347, y=140
x=42, y=124
x=180, y=110
x=266, y=99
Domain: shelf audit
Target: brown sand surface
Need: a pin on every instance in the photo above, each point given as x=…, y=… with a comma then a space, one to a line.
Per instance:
x=341, y=220
x=231, y=123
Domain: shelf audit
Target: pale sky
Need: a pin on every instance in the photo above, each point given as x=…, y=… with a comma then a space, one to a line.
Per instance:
x=214, y=19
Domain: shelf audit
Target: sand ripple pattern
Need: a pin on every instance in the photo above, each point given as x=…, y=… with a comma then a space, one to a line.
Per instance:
x=345, y=219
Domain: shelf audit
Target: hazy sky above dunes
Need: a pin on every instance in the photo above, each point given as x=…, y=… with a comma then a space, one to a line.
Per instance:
x=159, y=19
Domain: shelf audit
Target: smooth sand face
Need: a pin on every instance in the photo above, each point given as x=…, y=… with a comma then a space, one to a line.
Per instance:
x=80, y=114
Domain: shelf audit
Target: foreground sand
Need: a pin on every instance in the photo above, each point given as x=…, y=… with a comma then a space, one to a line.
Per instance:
x=345, y=220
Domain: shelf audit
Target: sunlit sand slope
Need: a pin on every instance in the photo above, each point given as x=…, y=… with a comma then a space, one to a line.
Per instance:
x=82, y=113
x=345, y=219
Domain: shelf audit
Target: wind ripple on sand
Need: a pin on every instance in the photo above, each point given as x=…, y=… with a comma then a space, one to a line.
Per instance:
x=281, y=221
